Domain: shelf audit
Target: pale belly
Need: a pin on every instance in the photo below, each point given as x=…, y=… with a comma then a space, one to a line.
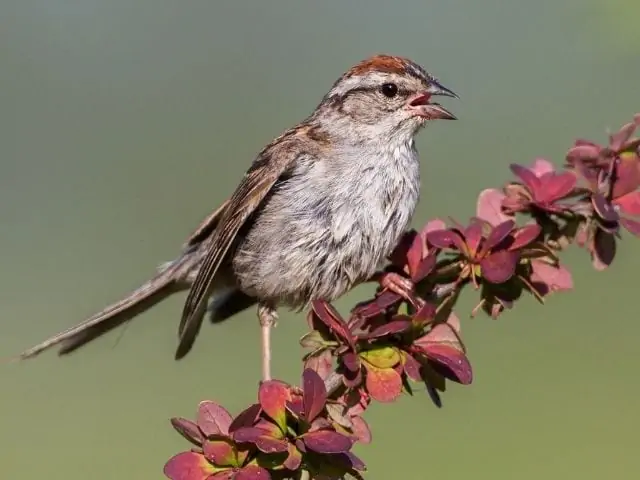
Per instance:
x=305, y=244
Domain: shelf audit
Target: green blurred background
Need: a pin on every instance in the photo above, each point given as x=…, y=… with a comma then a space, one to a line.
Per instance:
x=122, y=123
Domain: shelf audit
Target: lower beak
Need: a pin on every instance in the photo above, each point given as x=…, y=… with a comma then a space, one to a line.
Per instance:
x=422, y=105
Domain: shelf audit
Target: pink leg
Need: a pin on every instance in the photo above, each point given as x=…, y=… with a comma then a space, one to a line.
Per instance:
x=268, y=317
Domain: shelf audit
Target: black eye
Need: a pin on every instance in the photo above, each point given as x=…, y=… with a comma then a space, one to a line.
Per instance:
x=389, y=90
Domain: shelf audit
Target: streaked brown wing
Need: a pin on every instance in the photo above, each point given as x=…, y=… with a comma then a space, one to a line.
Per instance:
x=254, y=187
x=206, y=228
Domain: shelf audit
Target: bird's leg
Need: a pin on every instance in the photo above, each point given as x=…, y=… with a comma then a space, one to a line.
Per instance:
x=268, y=317
x=396, y=283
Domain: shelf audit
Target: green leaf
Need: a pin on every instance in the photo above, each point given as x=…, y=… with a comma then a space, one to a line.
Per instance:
x=385, y=357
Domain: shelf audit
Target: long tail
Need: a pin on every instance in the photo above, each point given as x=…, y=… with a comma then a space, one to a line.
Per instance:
x=163, y=284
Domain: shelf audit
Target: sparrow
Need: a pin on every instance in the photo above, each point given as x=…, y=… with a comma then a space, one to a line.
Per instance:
x=317, y=212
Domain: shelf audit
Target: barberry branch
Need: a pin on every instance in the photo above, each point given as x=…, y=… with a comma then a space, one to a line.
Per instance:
x=408, y=332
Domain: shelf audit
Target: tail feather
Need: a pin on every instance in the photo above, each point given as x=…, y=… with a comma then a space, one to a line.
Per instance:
x=162, y=285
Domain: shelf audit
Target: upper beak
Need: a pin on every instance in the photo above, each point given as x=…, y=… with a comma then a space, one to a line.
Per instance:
x=421, y=104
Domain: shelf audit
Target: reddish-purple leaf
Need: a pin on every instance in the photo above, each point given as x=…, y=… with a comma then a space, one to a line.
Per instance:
x=252, y=472
x=315, y=394
x=351, y=361
x=246, y=418
x=188, y=430
x=294, y=459
x=603, y=208
x=473, y=235
x=499, y=267
x=376, y=306
x=228, y=474
x=383, y=384
x=213, y=419
x=327, y=441
x=555, y=278
x=540, y=166
x=604, y=249
x=273, y=396
x=412, y=368
x=524, y=236
x=424, y=268
x=333, y=320
x=489, y=206
x=356, y=463
x=631, y=225
x=629, y=203
x=425, y=315
x=391, y=328
x=415, y=253
x=618, y=139
x=556, y=186
x=444, y=238
x=321, y=363
x=527, y=177
x=188, y=466
x=454, y=360
x=498, y=234
x=221, y=452
x=260, y=439
x=583, y=151
x=361, y=430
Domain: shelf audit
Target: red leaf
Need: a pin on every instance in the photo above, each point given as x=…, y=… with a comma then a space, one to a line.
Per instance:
x=603, y=208
x=473, y=235
x=540, y=166
x=622, y=136
x=424, y=268
x=260, y=439
x=321, y=363
x=351, y=361
x=376, y=306
x=333, y=320
x=499, y=267
x=273, y=396
x=412, y=368
x=315, y=394
x=188, y=430
x=294, y=459
x=556, y=186
x=604, y=249
x=246, y=418
x=489, y=206
x=415, y=253
x=221, y=453
x=252, y=472
x=213, y=419
x=394, y=326
x=555, y=278
x=629, y=203
x=361, y=430
x=327, y=441
x=527, y=177
x=524, y=236
x=384, y=385
x=425, y=315
x=631, y=225
x=454, y=360
x=443, y=238
x=188, y=466
x=498, y=234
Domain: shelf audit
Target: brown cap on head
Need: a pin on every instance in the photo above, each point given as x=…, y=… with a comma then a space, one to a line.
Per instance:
x=388, y=64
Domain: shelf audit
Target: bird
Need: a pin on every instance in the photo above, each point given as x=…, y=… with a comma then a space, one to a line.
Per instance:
x=318, y=212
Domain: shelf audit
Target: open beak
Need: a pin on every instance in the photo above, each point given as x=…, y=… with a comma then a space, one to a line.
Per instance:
x=422, y=105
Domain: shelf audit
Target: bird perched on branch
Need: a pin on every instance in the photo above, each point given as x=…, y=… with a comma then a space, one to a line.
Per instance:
x=317, y=212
